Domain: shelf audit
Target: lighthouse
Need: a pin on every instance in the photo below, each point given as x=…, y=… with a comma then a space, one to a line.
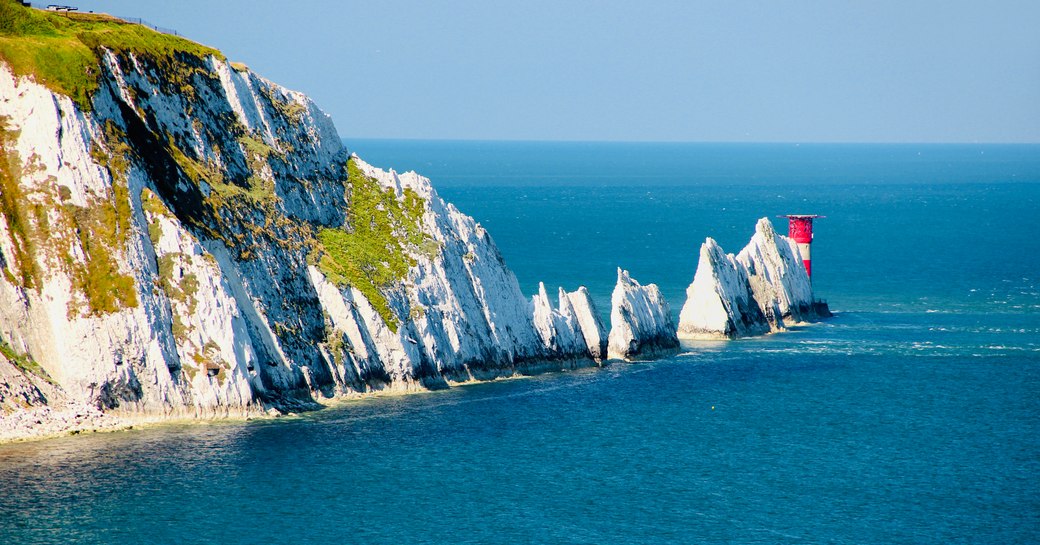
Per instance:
x=799, y=228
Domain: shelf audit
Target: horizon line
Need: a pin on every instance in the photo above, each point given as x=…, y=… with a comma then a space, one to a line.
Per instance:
x=750, y=142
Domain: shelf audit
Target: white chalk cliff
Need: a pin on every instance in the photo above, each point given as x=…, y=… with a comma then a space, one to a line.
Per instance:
x=181, y=238
x=193, y=240
x=640, y=321
x=753, y=293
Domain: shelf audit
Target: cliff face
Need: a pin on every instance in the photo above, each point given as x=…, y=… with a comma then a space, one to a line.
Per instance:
x=753, y=293
x=187, y=238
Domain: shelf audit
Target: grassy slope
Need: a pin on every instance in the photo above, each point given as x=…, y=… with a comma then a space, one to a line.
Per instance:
x=372, y=253
x=61, y=51
x=23, y=362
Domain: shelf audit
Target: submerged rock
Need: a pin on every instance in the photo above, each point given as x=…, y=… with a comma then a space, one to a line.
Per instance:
x=640, y=321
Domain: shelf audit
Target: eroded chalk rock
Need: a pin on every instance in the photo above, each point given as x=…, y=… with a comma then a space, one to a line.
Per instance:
x=640, y=321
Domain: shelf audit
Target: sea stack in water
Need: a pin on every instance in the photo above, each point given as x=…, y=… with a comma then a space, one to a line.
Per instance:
x=573, y=328
x=776, y=273
x=719, y=302
x=640, y=321
x=588, y=318
x=752, y=293
x=558, y=328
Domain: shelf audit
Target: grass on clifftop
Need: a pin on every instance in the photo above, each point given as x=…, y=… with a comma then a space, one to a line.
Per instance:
x=60, y=51
x=372, y=252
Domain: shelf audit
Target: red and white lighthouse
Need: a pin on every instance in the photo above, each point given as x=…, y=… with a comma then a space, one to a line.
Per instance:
x=799, y=228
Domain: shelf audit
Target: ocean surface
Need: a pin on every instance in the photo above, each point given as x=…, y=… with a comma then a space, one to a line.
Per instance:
x=912, y=416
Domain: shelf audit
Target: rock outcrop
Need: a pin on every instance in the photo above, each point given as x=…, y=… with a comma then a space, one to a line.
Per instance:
x=558, y=328
x=640, y=321
x=588, y=319
x=777, y=275
x=753, y=293
x=573, y=328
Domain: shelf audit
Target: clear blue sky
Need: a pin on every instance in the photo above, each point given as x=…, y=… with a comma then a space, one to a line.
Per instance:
x=760, y=71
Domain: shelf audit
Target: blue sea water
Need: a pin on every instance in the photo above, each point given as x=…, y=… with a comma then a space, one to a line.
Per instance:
x=913, y=416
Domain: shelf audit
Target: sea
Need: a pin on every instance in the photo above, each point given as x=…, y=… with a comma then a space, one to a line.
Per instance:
x=911, y=416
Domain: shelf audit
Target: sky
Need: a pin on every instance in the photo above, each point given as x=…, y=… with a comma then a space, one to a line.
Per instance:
x=693, y=70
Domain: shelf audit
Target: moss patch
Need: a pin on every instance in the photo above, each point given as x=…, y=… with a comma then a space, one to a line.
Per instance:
x=286, y=107
x=255, y=149
x=154, y=209
x=106, y=288
x=232, y=205
x=61, y=51
x=373, y=251
x=102, y=228
x=180, y=288
x=24, y=363
x=16, y=211
x=153, y=205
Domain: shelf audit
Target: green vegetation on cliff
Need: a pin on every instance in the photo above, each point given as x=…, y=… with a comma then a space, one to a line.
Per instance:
x=371, y=253
x=16, y=212
x=104, y=229
x=40, y=223
x=23, y=362
x=61, y=51
x=233, y=198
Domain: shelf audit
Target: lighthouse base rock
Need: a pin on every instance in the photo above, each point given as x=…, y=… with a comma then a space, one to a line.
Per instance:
x=757, y=291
